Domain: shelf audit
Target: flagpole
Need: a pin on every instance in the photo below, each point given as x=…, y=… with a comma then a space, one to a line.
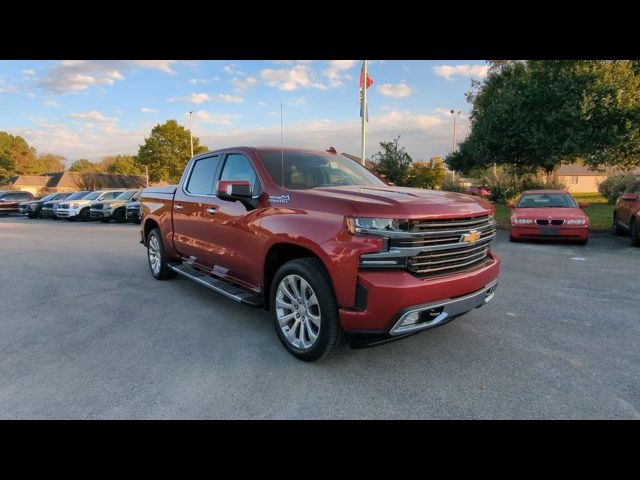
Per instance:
x=364, y=111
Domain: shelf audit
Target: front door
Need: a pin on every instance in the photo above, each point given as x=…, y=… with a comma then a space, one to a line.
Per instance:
x=234, y=231
x=194, y=209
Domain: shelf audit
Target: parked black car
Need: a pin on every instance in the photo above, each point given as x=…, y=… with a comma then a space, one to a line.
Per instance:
x=32, y=209
x=47, y=208
x=133, y=211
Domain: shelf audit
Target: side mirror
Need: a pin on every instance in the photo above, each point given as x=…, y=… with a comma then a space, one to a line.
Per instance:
x=234, y=190
x=583, y=205
x=628, y=196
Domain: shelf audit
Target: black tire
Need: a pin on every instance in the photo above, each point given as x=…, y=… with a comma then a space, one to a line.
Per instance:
x=635, y=233
x=583, y=242
x=617, y=228
x=164, y=272
x=105, y=220
x=513, y=239
x=119, y=216
x=85, y=214
x=329, y=333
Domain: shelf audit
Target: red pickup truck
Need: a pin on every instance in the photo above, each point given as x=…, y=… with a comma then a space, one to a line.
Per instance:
x=329, y=248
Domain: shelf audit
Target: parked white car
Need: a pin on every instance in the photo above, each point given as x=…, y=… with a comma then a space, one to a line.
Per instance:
x=79, y=208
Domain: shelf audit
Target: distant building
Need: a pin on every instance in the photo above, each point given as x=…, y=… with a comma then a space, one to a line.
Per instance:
x=73, y=181
x=581, y=179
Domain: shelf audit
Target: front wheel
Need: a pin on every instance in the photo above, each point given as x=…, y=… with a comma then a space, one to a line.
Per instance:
x=157, y=257
x=85, y=214
x=305, y=311
x=617, y=228
x=119, y=216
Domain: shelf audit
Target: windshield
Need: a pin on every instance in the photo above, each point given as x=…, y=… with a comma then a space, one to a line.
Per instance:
x=93, y=195
x=126, y=195
x=78, y=195
x=48, y=197
x=304, y=170
x=547, y=200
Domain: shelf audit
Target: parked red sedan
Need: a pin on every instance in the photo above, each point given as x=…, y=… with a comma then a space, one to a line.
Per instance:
x=478, y=191
x=550, y=215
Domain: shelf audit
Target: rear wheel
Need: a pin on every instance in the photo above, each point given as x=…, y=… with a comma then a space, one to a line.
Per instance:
x=617, y=228
x=157, y=256
x=635, y=233
x=119, y=216
x=305, y=311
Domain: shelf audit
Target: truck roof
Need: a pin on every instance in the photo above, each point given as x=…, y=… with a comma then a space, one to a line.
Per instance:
x=265, y=149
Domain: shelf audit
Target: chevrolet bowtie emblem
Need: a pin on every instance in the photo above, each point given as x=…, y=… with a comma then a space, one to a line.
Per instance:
x=472, y=237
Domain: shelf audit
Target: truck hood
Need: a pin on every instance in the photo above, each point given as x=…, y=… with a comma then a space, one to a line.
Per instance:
x=400, y=202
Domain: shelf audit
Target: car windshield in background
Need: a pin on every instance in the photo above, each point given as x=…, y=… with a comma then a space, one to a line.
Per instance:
x=125, y=195
x=310, y=170
x=92, y=196
x=48, y=197
x=547, y=200
x=78, y=195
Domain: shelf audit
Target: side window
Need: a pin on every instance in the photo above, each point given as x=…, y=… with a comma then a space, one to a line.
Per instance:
x=238, y=167
x=203, y=176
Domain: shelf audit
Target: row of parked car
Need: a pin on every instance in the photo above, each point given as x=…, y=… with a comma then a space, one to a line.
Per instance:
x=119, y=205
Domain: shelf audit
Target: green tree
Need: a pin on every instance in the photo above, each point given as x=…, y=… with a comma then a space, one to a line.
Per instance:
x=167, y=150
x=16, y=157
x=540, y=114
x=392, y=161
x=86, y=166
x=426, y=174
x=49, y=162
x=123, y=165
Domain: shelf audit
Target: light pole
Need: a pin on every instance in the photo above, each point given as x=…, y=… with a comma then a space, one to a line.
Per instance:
x=191, y=132
x=453, y=141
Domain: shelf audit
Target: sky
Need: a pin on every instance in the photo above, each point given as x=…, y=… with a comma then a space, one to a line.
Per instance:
x=93, y=108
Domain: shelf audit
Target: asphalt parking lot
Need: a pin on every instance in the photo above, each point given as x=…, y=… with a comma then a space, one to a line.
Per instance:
x=85, y=332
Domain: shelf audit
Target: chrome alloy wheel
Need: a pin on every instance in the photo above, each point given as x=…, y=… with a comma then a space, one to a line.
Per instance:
x=298, y=311
x=154, y=254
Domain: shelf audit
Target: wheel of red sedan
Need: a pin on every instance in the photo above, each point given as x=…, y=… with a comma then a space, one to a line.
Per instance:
x=635, y=233
x=305, y=309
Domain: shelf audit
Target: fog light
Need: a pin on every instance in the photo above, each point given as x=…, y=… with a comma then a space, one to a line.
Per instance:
x=411, y=318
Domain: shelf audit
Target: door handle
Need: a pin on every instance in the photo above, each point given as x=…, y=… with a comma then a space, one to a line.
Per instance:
x=212, y=210
x=179, y=207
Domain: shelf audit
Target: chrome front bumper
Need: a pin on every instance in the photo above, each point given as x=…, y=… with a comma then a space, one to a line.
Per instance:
x=432, y=314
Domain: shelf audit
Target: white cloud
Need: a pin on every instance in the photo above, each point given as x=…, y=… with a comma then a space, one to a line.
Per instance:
x=298, y=102
x=336, y=71
x=148, y=110
x=10, y=89
x=242, y=84
x=199, y=98
x=448, y=71
x=217, y=118
x=232, y=70
x=290, y=79
x=28, y=73
x=396, y=91
x=78, y=75
x=94, y=116
x=203, y=81
x=51, y=103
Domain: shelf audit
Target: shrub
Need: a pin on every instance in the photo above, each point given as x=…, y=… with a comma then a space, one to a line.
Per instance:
x=614, y=185
x=506, y=184
x=450, y=184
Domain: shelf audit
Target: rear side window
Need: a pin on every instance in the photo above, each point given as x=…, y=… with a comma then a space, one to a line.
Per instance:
x=238, y=167
x=203, y=176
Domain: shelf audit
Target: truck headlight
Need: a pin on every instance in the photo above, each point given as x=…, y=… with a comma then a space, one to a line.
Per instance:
x=369, y=224
x=576, y=221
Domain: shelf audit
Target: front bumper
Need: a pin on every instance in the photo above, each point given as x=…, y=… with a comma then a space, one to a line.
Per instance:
x=100, y=213
x=133, y=215
x=67, y=212
x=392, y=294
x=562, y=232
x=46, y=213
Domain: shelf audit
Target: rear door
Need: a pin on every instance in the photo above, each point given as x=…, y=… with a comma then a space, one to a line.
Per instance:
x=194, y=208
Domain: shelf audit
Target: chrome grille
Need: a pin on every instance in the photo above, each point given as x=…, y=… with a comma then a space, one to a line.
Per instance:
x=436, y=247
x=439, y=261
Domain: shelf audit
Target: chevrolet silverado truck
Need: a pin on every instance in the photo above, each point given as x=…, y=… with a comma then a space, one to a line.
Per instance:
x=331, y=250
